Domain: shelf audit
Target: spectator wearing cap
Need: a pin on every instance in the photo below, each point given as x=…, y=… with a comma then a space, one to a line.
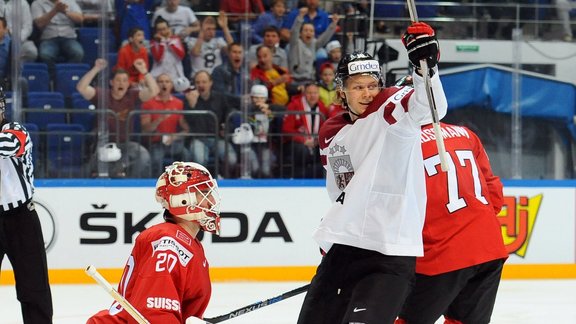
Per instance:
x=275, y=78
x=263, y=122
x=334, y=54
x=334, y=51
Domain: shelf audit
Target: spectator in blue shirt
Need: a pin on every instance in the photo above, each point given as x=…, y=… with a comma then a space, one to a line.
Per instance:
x=275, y=17
x=316, y=16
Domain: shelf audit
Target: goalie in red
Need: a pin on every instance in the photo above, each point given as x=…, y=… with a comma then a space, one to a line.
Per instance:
x=166, y=277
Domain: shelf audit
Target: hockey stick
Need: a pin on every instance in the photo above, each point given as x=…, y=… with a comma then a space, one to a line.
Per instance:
x=428, y=85
x=92, y=272
x=256, y=306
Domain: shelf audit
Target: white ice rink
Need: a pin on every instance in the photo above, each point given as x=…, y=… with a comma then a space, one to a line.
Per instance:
x=519, y=302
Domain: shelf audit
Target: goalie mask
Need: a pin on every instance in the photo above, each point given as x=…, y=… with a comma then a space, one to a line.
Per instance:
x=188, y=191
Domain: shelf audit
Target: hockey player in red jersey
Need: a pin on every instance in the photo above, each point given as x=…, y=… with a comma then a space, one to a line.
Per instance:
x=166, y=277
x=464, y=252
x=372, y=233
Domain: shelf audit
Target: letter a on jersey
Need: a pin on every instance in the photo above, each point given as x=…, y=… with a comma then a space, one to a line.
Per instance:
x=340, y=198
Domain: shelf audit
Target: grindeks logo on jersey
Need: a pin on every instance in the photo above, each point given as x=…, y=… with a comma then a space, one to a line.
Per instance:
x=163, y=303
x=169, y=244
x=363, y=67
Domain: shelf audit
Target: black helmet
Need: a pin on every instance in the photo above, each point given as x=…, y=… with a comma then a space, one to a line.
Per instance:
x=358, y=63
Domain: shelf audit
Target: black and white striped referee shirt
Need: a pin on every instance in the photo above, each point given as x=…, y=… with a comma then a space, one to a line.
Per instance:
x=16, y=168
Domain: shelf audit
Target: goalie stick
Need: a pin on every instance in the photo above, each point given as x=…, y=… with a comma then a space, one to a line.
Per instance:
x=92, y=272
x=427, y=84
x=256, y=306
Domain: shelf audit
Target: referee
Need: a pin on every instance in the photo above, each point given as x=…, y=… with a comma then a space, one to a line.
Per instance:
x=20, y=232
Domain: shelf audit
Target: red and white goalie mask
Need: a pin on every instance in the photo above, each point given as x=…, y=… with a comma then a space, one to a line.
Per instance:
x=188, y=191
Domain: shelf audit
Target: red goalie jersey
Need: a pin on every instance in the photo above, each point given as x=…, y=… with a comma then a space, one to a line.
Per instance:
x=461, y=228
x=166, y=278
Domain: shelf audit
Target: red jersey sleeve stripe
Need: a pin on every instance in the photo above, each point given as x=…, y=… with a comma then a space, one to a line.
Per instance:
x=21, y=136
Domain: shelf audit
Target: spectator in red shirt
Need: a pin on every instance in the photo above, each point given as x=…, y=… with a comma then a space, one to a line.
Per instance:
x=301, y=132
x=276, y=78
x=132, y=51
x=169, y=129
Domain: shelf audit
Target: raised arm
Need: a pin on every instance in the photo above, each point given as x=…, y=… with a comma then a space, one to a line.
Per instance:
x=83, y=86
x=295, y=30
x=150, y=87
x=223, y=23
x=325, y=37
x=421, y=43
x=191, y=97
x=196, y=49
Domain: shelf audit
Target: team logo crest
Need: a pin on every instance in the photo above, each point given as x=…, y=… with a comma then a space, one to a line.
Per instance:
x=517, y=219
x=341, y=166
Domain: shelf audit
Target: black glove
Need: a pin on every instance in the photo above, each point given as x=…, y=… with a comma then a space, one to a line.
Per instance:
x=421, y=43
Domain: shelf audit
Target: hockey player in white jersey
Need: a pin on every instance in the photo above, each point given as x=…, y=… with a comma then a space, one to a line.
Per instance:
x=372, y=233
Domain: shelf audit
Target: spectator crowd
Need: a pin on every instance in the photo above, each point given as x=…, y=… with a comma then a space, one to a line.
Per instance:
x=179, y=71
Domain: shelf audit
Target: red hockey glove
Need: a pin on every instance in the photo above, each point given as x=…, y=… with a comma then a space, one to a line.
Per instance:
x=421, y=43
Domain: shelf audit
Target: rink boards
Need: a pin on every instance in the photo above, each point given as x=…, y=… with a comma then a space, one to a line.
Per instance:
x=267, y=228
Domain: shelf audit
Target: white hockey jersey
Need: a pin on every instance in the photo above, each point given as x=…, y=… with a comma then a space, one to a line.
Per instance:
x=375, y=176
